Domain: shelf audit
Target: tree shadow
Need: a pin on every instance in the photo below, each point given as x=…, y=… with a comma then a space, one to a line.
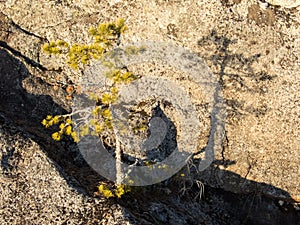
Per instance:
x=236, y=69
x=236, y=72
x=150, y=205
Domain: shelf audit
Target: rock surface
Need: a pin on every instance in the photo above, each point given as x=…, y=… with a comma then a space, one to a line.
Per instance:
x=285, y=3
x=253, y=47
x=33, y=191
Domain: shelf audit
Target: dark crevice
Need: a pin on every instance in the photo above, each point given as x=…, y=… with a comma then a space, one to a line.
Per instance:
x=224, y=146
x=18, y=27
x=20, y=55
x=248, y=169
x=5, y=164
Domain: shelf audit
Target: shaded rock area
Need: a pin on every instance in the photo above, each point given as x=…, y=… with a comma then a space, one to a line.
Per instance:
x=252, y=46
x=34, y=190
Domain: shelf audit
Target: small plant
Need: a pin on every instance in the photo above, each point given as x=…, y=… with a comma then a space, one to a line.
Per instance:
x=98, y=119
x=117, y=191
x=105, y=36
